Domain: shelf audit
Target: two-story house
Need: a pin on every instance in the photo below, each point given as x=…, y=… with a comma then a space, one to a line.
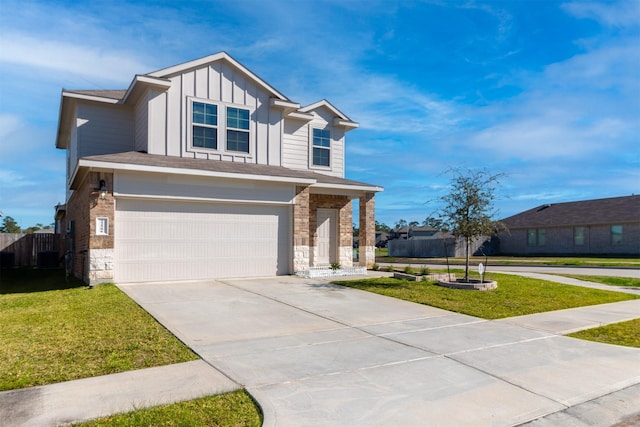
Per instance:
x=203, y=170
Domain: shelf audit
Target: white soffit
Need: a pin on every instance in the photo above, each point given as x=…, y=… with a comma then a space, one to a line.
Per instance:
x=99, y=165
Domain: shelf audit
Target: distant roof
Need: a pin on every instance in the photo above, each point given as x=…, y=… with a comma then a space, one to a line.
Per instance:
x=613, y=210
x=224, y=167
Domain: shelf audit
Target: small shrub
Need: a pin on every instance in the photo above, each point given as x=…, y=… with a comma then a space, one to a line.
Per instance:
x=335, y=266
x=409, y=270
x=375, y=267
x=424, y=271
x=390, y=268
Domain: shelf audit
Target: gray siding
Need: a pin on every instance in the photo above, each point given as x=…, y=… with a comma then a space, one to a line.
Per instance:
x=559, y=241
x=296, y=151
x=104, y=129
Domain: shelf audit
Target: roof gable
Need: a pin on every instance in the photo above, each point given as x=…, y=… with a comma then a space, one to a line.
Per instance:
x=207, y=60
x=613, y=210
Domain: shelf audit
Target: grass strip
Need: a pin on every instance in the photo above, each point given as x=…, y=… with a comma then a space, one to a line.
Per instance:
x=515, y=295
x=623, y=333
x=606, y=280
x=236, y=409
x=75, y=332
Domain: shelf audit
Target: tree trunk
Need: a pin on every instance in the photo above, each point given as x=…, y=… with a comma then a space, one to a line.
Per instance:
x=466, y=268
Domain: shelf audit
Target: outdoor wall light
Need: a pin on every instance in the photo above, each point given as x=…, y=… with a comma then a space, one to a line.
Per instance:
x=103, y=189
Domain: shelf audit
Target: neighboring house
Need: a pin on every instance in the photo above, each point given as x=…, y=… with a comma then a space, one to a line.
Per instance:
x=203, y=170
x=412, y=232
x=591, y=227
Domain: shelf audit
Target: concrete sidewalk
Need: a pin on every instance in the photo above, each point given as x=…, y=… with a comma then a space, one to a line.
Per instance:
x=89, y=398
x=312, y=353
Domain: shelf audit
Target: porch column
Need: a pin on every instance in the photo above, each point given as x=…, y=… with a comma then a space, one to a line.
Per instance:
x=367, y=230
x=301, y=234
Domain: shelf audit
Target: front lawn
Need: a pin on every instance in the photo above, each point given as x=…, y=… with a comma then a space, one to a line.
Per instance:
x=515, y=295
x=623, y=333
x=68, y=331
x=234, y=409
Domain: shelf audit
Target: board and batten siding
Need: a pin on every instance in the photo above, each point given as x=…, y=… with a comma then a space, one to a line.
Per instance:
x=221, y=83
x=104, y=129
x=141, y=113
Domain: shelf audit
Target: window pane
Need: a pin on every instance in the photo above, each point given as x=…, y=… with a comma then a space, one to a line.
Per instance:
x=238, y=141
x=542, y=237
x=616, y=234
x=531, y=237
x=205, y=137
x=578, y=236
x=321, y=138
x=206, y=114
x=320, y=156
x=237, y=118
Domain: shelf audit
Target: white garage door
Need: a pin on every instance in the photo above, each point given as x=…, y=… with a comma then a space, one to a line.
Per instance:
x=160, y=241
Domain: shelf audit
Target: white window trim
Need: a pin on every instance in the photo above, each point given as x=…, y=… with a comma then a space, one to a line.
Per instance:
x=221, y=128
x=330, y=149
x=102, y=226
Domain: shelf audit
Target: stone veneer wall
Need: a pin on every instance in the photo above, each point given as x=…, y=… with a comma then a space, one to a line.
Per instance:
x=92, y=255
x=367, y=237
x=345, y=226
x=301, y=255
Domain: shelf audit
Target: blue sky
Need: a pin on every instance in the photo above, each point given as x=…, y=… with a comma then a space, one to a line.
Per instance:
x=546, y=92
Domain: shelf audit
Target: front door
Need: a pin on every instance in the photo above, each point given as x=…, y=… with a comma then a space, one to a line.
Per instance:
x=326, y=232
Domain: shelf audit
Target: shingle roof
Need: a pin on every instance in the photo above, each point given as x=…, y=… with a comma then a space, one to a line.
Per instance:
x=613, y=210
x=112, y=94
x=144, y=159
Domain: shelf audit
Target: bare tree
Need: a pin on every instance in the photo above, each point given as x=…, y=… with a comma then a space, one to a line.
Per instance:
x=467, y=210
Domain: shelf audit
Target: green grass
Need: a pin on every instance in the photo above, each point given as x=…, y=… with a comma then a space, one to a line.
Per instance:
x=606, y=280
x=624, y=333
x=512, y=260
x=53, y=331
x=515, y=296
x=227, y=410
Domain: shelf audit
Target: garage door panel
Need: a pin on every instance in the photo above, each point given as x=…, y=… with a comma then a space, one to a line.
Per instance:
x=181, y=241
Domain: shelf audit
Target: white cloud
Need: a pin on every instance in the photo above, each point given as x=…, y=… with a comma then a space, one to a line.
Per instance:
x=90, y=62
x=623, y=13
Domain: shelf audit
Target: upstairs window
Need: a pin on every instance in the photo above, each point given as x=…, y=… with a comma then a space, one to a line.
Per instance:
x=205, y=125
x=616, y=234
x=237, y=129
x=321, y=147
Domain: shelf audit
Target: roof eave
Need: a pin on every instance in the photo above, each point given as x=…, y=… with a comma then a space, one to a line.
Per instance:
x=140, y=83
x=96, y=165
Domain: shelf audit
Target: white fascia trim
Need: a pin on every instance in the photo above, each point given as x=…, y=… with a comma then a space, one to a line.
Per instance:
x=345, y=123
x=213, y=58
x=300, y=116
x=194, y=172
x=159, y=83
x=90, y=97
x=368, y=188
x=198, y=199
x=327, y=104
x=287, y=105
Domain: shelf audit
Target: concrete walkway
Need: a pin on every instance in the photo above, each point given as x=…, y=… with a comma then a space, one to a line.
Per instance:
x=89, y=398
x=315, y=354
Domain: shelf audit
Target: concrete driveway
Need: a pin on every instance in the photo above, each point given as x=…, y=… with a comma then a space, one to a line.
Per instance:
x=315, y=354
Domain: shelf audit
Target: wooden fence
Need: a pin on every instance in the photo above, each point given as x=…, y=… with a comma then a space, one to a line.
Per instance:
x=29, y=250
